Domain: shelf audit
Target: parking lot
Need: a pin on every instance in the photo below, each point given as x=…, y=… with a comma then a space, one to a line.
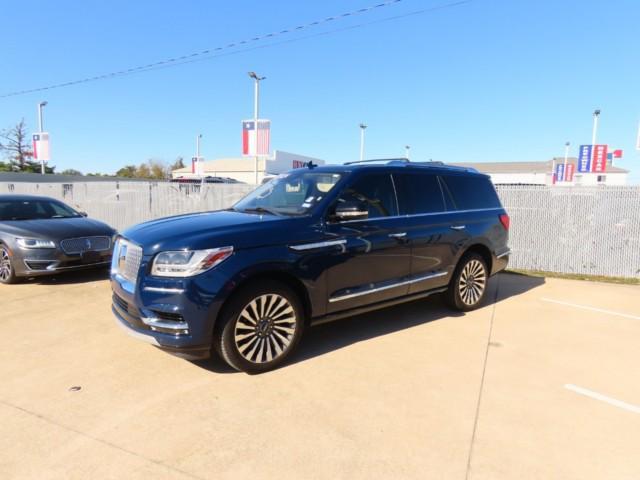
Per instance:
x=542, y=382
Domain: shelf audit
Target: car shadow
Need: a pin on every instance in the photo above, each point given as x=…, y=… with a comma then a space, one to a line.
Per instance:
x=329, y=337
x=71, y=277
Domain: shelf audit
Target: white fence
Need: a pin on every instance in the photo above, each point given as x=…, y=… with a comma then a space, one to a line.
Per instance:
x=122, y=204
x=583, y=230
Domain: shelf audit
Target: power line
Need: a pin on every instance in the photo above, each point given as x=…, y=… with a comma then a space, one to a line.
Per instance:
x=191, y=56
x=210, y=54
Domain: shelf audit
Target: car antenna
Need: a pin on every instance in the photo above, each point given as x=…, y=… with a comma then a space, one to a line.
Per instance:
x=311, y=165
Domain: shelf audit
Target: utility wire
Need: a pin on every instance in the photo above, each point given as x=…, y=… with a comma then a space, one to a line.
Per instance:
x=208, y=51
x=221, y=50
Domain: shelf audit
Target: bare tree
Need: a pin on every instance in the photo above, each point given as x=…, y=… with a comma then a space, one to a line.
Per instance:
x=14, y=144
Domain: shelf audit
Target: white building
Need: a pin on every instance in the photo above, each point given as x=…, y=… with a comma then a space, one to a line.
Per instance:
x=243, y=169
x=539, y=173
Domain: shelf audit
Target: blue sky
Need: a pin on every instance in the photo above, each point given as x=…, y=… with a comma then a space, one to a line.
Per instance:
x=499, y=80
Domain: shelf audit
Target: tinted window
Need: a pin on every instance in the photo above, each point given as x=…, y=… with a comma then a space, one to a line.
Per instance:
x=34, y=210
x=376, y=191
x=470, y=192
x=290, y=193
x=418, y=193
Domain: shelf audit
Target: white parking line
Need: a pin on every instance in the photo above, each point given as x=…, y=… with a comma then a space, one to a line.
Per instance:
x=593, y=309
x=603, y=398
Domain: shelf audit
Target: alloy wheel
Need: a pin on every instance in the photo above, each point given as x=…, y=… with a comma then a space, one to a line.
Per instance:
x=5, y=265
x=265, y=328
x=473, y=280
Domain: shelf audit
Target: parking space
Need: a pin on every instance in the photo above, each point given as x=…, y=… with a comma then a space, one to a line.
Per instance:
x=539, y=383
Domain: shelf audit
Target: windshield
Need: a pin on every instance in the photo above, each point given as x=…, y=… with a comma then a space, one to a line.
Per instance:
x=289, y=194
x=34, y=210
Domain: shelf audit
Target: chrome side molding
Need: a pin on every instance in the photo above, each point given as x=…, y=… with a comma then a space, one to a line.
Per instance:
x=313, y=246
x=504, y=254
x=387, y=287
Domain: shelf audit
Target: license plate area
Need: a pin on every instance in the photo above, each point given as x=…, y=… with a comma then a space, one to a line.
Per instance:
x=90, y=257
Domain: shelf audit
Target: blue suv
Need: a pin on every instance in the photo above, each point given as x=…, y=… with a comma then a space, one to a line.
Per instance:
x=310, y=246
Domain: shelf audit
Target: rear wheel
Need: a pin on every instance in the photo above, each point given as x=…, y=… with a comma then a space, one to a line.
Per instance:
x=468, y=284
x=7, y=273
x=260, y=327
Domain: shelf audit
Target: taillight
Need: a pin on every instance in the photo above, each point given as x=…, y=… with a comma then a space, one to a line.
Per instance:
x=505, y=221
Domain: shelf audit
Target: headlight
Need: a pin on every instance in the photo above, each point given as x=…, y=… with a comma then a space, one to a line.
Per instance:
x=186, y=263
x=35, y=243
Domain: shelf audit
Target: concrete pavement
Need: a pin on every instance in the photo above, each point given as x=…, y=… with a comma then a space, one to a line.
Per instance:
x=409, y=392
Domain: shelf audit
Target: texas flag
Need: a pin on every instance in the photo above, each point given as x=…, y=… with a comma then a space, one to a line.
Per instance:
x=255, y=141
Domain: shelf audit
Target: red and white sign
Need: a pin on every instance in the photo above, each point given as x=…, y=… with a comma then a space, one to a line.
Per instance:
x=255, y=141
x=41, y=146
x=568, y=174
x=599, y=160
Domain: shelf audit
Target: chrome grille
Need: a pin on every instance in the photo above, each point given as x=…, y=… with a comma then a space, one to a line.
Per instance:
x=85, y=244
x=126, y=260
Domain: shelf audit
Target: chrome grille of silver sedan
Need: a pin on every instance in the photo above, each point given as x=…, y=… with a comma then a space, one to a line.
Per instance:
x=85, y=244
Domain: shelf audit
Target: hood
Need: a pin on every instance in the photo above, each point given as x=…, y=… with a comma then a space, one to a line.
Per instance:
x=199, y=231
x=56, y=229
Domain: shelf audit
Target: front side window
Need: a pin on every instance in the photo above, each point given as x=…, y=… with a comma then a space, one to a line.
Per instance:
x=418, y=193
x=375, y=192
x=289, y=194
x=11, y=210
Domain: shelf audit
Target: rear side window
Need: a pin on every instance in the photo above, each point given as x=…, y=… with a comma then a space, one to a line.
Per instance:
x=418, y=193
x=470, y=192
x=376, y=191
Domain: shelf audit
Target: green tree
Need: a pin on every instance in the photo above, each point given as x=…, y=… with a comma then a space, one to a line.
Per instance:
x=128, y=171
x=71, y=171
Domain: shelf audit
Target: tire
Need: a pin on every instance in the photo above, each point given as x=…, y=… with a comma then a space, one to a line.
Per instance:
x=7, y=273
x=468, y=285
x=260, y=327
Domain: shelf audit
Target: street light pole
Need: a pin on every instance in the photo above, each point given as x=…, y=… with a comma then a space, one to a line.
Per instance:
x=566, y=157
x=198, y=166
x=362, y=128
x=406, y=151
x=256, y=116
x=40, y=129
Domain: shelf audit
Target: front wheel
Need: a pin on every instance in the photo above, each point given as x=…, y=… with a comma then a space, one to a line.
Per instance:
x=7, y=273
x=468, y=284
x=260, y=327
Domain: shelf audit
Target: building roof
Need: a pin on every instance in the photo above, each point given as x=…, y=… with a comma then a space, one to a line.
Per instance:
x=527, y=167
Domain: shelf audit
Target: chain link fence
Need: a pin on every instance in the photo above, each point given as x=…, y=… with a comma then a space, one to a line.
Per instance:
x=576, y=230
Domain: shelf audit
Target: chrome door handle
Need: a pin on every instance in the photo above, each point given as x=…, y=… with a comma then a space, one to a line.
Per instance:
x=458, y=227
x=398, y=235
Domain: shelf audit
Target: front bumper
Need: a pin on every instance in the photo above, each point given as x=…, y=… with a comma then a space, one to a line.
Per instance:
x=176, y=315
x=38, y=262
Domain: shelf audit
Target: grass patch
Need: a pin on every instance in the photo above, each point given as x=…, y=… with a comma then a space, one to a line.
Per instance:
x=577, y=276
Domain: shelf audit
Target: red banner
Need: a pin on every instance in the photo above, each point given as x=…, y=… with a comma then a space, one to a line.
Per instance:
x=599, y=161
x=568, y=175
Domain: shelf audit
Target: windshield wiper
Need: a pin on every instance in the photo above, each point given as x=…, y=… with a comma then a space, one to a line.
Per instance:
x=260, y=210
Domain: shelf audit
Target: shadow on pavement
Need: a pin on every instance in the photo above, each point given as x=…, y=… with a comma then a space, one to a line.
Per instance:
x=342, y=333
x=72, y=277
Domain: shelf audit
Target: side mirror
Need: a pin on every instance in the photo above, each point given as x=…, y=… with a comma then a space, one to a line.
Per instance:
x=351, y=210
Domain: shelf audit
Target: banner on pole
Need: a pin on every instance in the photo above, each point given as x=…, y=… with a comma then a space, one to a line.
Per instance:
x=256, y=138
x=599, y=161
x=568, y=174
x=584, y=158
x=560, y=172
x=41, y=146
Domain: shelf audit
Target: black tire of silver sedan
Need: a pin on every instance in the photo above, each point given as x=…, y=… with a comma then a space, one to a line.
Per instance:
x=468, y=284
x=260, y=327
x=7, y=273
